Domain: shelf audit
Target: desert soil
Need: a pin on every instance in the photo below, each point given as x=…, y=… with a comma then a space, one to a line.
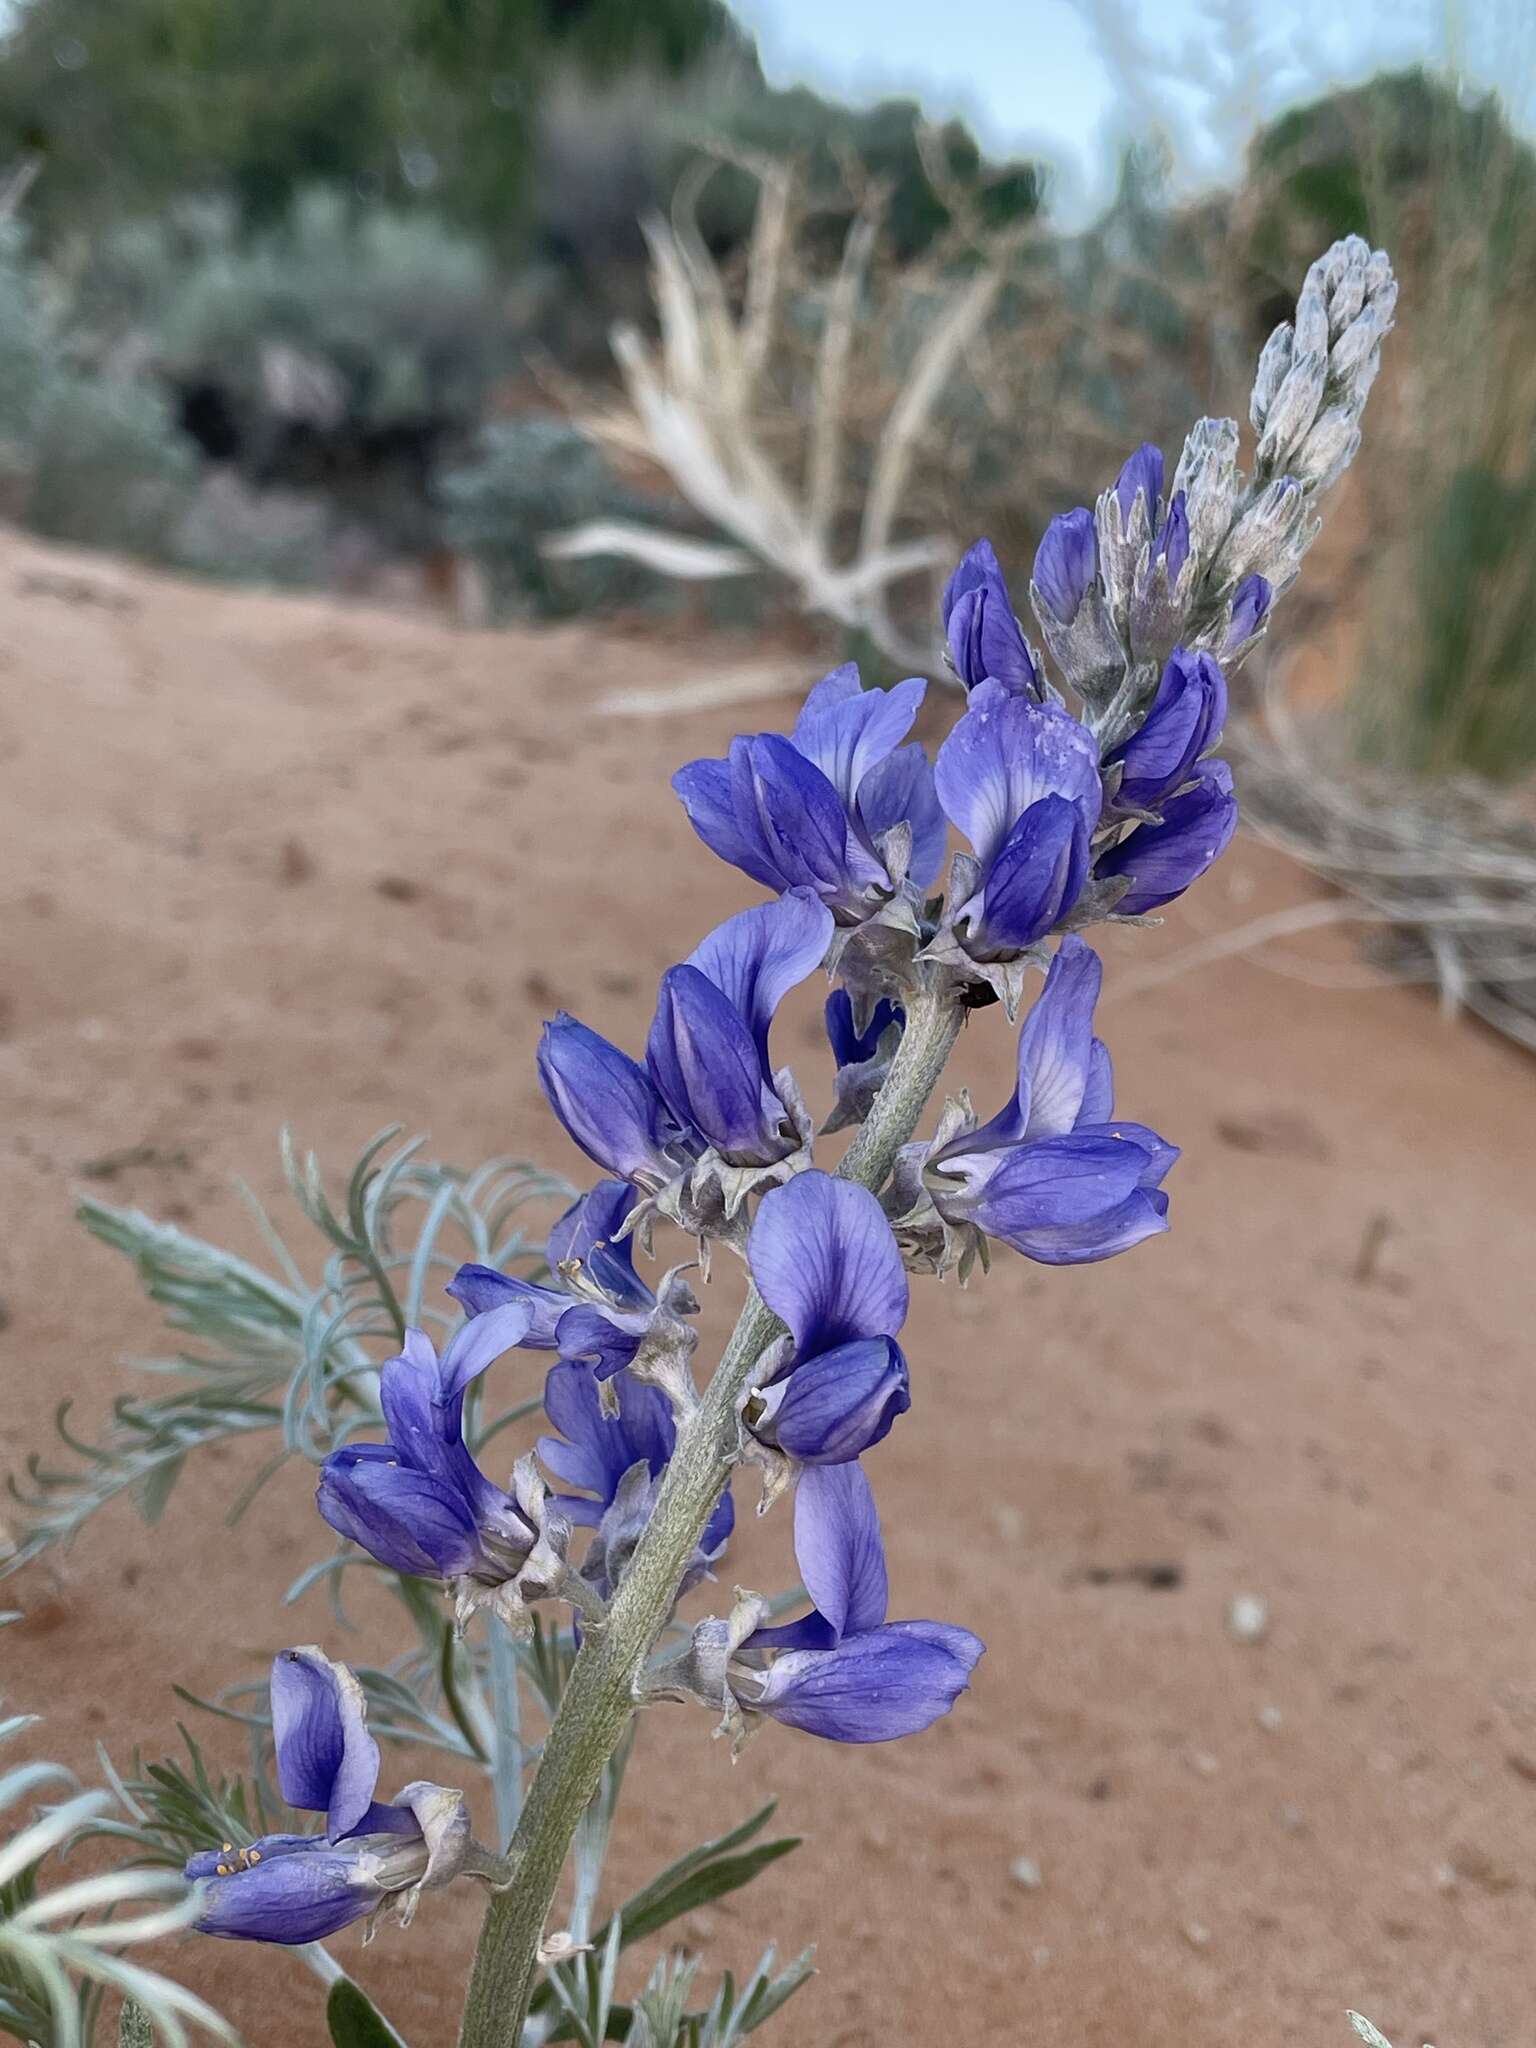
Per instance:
x=269, y=860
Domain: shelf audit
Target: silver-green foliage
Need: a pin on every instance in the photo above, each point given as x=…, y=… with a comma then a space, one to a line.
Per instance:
x=267, y=1348
x=88, y=455
x=27, y=348
x=521, y=480
x=61, y=1944
x=396, y=310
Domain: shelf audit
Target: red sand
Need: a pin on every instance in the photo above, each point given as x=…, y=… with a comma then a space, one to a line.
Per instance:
x=284, y=860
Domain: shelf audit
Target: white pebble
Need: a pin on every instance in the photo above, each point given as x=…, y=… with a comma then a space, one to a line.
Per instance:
x=1026, y=1873
x=1248, y=1618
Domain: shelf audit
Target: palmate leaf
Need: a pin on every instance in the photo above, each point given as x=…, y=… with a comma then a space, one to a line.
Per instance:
x=274, y=1350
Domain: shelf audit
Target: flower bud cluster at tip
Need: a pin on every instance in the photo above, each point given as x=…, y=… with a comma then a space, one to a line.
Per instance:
x=1199, y=564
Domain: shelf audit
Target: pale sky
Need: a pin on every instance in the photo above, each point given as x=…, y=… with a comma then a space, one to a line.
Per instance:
x=1033, y=74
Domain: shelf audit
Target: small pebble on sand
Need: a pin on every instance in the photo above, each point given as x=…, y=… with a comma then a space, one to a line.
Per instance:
x=1248, y=1618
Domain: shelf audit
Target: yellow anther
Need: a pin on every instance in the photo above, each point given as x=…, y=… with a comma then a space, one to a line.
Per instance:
x=228, y=1848
x=222, y=1870
x=255, y=1855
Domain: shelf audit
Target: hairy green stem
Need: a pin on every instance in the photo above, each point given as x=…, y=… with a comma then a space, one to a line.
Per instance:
x=600, y=1696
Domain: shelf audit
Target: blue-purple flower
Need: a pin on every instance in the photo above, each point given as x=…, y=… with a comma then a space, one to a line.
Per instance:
x=1171, y=546
x=707, y=1082
x=1162, y=860
x=1021, y=780
x=595, y=1306
x=1141, y=476
x=851, y=1046
x=1184, y=722
x=841, y=808
x=609, y=1105
x=418, y=1502
x=708, y=1046
x=1066, y=564
x=299, y=1888
x=1142, y=548
x=616, y=1460
x=984, y=635
x=824, y=1260
x=862, y=1056
x=1250, y=607
x=843, y=1671
x=1054, y=1174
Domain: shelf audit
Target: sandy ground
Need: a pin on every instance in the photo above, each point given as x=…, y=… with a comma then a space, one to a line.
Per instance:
x=268, y=860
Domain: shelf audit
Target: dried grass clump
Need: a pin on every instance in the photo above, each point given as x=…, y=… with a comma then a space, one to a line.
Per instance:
x=849, y=417
x=1445, y=870
x=785, y=408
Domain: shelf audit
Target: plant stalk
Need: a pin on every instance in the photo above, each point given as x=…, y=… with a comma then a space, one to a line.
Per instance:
x=600, y=1696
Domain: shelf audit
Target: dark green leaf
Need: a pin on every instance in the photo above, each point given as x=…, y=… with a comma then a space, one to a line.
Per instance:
x=155, y=1488
x=657, y=1904
x=353, y=2021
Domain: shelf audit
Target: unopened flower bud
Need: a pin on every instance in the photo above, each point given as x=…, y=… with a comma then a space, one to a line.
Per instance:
x=1274, y=361
x=1294, y=409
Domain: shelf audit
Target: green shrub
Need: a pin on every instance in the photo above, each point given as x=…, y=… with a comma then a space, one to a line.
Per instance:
x=530, y=477
x=110, y=469
x=397, y=314
x=27, y=358
x=275, y=539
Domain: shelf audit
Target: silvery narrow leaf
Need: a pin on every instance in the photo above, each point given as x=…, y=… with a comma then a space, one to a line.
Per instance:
x=62, y=1944
x=1368, y=2034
